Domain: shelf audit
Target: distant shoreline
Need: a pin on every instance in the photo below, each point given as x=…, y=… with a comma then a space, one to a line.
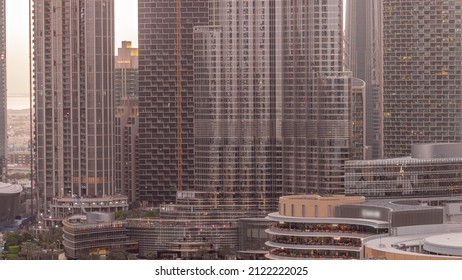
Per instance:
x=25, y=110
x=18, y=103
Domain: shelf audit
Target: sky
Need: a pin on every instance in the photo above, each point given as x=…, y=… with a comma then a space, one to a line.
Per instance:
x=17, y=36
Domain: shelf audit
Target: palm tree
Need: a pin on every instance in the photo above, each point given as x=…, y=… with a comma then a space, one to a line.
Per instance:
x=52, y=239
x=30, y=251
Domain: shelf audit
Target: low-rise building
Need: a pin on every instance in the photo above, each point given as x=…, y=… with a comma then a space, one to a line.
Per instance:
x=307, y=227
x=313, y=227
x=21, y=158
x=95, y=234
x=431, y=170
x=430, y=242
x=157, y=235
x=63, y=207
x=9, y=202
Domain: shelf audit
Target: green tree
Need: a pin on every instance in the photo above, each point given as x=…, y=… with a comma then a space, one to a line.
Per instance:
x=118, y=254
x=51, y=239
x=12, y=239
x=151, y=256
x=120, y=215
x=226, y=253
x=30, y=251
x=17, y=238
x=13, y=249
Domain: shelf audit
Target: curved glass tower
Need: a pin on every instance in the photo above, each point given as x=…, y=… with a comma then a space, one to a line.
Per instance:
x=235, y=117
x=316, y=124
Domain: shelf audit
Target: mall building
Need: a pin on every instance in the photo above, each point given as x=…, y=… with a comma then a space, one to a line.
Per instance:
x=431, y=170
x=340, y=227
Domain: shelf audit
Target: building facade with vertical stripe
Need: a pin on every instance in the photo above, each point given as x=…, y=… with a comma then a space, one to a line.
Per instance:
x=73, y=62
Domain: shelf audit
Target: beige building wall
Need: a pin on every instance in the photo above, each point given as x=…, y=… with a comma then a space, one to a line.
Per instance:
x=127, y=57
x=314, y=205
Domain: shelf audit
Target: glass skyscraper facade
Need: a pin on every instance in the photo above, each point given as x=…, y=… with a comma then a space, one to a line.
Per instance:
x=316, y=93
x=270, y=109
x=126, y=120
x=357, y=111
x=235, y=108
x=125, y=73
x=73, y=94
x=234, y=123
x=363, y=34
x=422, y=66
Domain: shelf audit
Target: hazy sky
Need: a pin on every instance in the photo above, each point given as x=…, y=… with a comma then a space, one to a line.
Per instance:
x=17, y=36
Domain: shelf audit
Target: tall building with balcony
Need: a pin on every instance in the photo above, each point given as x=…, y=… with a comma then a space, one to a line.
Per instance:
x=421, y=74
x=73, y=66
x=357, y=111
x=315, y=103
x=364, y=60
x=166, y=99
x=126, y=120
x=126, y=137
x=3, y=93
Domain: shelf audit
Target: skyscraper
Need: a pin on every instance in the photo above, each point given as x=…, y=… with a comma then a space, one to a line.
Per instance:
x=271, y=111
x=364, y=57
x=73, y=91
x=422, y=82
x=357, y=111
x=166, y=105
x=125, y=72
x=316, y=93
x=235, y=107
x=126, y=135
x=3, y=109
x=126, y=120
x=235, y=135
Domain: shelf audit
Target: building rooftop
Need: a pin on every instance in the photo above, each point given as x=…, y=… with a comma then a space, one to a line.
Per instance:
x=442, y=152
x=6, y=188
x=94, y=199
x=330, y=220
x=436, y=150
x=435, y=241
x=397, y=205
x=339, y=198
x=446, y=244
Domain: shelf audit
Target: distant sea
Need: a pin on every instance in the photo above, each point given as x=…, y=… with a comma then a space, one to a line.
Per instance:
x=18, y=102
